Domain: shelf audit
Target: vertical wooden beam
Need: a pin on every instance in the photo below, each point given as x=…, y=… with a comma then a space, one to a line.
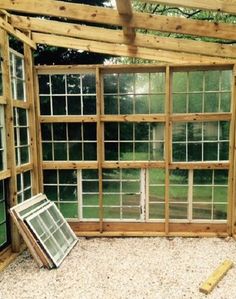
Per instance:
x=32, y=125
x=124, y=8
x=100, y=155
x=9, y=121
x=167, y=146
x=231, y=220
x=38, y=132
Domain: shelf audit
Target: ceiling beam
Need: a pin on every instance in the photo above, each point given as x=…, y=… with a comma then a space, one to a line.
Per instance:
x=110, y=16
x=125, y=50
x=16, y=33
x=219, y=5
x=116, y=36
x=124, y=8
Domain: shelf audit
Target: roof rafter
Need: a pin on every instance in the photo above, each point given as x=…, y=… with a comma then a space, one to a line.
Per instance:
x=219, y=5
x=110, y=16
x=116, y=36
x=124, y=8
x=125, y=50
x=21, y=36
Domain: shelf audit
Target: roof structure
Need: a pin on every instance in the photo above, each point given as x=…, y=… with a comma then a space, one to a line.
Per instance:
x=69, y=28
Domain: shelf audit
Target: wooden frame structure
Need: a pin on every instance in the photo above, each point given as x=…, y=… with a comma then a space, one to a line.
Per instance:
x=127, y=41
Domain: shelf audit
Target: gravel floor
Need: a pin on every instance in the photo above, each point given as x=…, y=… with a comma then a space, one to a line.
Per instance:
x=125, y=268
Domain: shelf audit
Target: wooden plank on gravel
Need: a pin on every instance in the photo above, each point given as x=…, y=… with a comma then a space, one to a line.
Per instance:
x=215, y=277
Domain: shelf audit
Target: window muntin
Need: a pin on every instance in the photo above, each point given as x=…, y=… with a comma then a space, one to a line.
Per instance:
x=134, y=141
x=200, y=141
x=69, y=142
x=4, y=235
x=21, y=132
x=17, y=76
x=24, y=186
x=134, y=93
x=202, y=91
x=67, y=94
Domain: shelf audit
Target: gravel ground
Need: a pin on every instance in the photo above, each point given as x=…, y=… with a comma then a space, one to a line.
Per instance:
x=115, y=268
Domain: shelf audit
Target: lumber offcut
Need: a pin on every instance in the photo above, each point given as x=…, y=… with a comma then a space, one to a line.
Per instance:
x=215, y=277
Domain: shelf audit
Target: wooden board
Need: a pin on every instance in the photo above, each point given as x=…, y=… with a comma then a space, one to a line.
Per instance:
x=117, y=36
x=215, y=277
x=110, y=16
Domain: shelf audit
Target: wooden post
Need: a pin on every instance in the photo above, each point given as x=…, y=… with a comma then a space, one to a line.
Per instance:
x=167, y=147
x=32, y=125
x=232, y=159
x=100, y=155
x=39, y=156
x=9, y=120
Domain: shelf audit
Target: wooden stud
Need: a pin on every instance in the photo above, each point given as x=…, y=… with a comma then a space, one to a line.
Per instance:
x=215, y=277
x=69, y=165
x=99, y=147
x=110, y=16
x=167, y=146
x=21, y=104
x=16, y=33
x=219, y=6
x=11, y=163
x=116, y=36
x=232, y=159
x=133, y=118
x=29, y=79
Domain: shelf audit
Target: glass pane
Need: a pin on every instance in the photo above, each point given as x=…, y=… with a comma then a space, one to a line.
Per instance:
x=131, y=213
x=179, y=152
x=51, y=192
x=210, y=131
x=2, y=212
x=178, y=193
x=157, y=103
x=20, y=91
x=67, y=177
x=44, y=84
x=141, y=83
x=74, y=105
x=212, y=79
x=60, y=151
x=211, y=102
x=89, y=84
x=202, y=177
x=126, y=104
x=202, y=211
x=157, y=82
x=47, y=151
x=89, y=105
x=196, y=81
x=180, y=82
x=59, y=105
x=156, y=211
x=126, y=83
x=90, y=151
x=226, y=80
x=219, y=212
x=179, y=103
x=45, y=105
x=75, y=151
x=141, y=104
x=58, y=84
x=69, y=210
x=156, y=176
x=111, y=104
x=73, y=84
x=178, y=211
x=90, y=213
x=111, y=212
x=179, y=132
x=59, y=131
x=3, y=234
x=111, y=83
x=195, y=103
x=24, y=153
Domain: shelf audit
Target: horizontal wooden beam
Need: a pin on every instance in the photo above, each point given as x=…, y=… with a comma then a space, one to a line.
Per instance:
x=116, y=36
x=219, y=5
x=198, y=117
x=67, y=119
x=110, y=16
x=133, y=118
x=16, y=33
x=125, y=50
